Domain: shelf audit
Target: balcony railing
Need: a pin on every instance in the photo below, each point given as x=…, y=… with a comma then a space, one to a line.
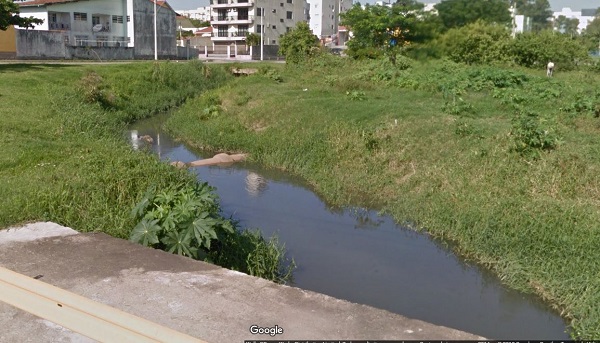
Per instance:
x=240, y=35
x=100, y=43
x=231, y=3
x=60, y=26
x=233, y=19
x=101, y=28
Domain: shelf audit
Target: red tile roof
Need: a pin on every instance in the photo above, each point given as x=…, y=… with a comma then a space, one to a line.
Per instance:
x=161, y=3
x=43, y=2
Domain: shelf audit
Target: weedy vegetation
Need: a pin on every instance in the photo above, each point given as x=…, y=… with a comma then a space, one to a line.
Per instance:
x=503, y=161
x=65, y=159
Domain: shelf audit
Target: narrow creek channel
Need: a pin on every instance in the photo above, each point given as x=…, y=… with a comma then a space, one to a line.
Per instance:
x=356, y=255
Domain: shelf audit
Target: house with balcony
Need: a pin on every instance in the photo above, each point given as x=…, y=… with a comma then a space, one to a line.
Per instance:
x=232, y=20
x=126, y=24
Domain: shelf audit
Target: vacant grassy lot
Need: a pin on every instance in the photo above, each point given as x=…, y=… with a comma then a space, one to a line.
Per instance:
x=63, y=153
x=504, y=162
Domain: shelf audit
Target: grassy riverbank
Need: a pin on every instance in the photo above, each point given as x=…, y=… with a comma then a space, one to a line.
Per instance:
x=503, y=162
x=64, y=157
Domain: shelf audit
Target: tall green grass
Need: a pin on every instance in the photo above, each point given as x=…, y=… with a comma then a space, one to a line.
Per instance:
x=64, y=157
x=502, y=161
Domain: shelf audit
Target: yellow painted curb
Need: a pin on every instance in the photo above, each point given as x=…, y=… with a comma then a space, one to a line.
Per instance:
x=79, y=314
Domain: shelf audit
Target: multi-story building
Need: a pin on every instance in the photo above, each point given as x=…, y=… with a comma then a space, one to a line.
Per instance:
x=324, y=16
x=201, y=13
x=585, y=16
x=232, y=20
x=98, y=23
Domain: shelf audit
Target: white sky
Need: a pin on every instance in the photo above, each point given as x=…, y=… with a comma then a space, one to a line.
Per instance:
x=557, y=5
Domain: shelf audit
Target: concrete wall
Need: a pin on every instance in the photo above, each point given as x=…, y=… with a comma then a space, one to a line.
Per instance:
x=40, y=44
x=35, y=44
x=269, y=52
x=100, y=53
x=143, y=21
x=188, y=53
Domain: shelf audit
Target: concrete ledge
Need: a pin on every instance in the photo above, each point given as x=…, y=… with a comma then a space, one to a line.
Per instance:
x=34, y=231
x=193, y=297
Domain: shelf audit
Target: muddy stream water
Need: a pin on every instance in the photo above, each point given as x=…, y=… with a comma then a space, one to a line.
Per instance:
x=357, y=255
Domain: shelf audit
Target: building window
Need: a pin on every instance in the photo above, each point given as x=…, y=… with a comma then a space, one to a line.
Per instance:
x=95, y=20
x=117, y=19
x=120, y=41
x=259, y=12
x=274, y=42
x=281, y=4
x=289, y=1
x=79, y=16
x=242, y=30
x=128, y=18
x=281, y=20
x=288, y=29
x=274, y=27
x=222, y=30
x=242, y=14
x=222, y=14
x=102, y=41
x=81, y=40
x=289, y=14
x=259, y=29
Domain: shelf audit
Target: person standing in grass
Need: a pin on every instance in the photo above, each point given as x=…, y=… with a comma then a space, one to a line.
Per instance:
x=550, y=69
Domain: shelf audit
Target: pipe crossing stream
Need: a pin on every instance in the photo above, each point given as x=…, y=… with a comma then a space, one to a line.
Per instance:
x=356, y=255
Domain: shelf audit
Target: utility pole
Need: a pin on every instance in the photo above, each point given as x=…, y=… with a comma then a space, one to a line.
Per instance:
x=513, y=15
x=262, y=32
x=155, y=37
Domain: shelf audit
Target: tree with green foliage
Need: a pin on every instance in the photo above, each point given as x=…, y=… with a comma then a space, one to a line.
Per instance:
x=381, y=30
x=536, y=49
x=477, y=43
x=457, y=13
x=9, y=15
x=566, y=25
x=252, y=39
x=298, y=44
x=200, y=23
x=591, y=35
x=538, y=10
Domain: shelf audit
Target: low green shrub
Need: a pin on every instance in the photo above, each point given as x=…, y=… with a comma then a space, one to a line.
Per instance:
x=248, y=252
x=181, y=220
x=533, y=134
x=186, y=220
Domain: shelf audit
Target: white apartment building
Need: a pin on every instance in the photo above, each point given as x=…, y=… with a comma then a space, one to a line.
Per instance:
x=201, y=13
x=584, y=16
x=324, y=16
x=232, y=20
